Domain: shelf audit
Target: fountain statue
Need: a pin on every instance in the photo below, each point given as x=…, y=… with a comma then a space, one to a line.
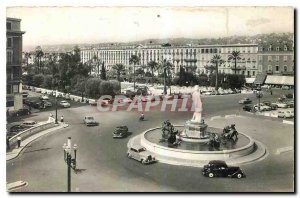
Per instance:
x=195, y=129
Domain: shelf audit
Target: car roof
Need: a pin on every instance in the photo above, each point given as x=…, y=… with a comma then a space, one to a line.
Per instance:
x=217, y=162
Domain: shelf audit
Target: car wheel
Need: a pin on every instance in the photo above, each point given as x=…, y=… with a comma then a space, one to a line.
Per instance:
x=239, y=176
x=211, y=175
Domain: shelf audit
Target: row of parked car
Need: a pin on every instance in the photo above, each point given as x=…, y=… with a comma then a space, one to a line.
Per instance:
x=221, y=92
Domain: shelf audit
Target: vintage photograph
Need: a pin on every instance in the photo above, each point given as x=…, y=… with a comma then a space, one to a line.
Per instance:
x=150, y=99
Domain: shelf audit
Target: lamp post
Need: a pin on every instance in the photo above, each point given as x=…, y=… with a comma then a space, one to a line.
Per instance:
x=71, y=162
x=259, y=95
x=56, y=122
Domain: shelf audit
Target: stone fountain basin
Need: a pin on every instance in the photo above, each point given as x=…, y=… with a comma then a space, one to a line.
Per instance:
x=197, y=151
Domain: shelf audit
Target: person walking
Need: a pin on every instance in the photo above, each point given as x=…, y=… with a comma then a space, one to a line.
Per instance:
x=19, y=141
x=62, y=119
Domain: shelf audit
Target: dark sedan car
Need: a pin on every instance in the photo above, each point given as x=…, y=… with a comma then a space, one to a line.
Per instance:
x=218, y=168
x=21, y=112
x=247, y=108
x=245, y=101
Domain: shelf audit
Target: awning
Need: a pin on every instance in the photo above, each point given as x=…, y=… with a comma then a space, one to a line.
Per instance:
x=250, y=80
x=280, y=80
x=260, y=79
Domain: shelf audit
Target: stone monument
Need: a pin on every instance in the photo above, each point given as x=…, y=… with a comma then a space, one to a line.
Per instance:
x=195, y=129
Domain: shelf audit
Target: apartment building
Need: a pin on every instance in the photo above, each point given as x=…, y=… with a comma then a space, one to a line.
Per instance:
x=14, y=100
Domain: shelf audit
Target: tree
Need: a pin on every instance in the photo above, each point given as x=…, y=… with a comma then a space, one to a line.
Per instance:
x=96, y=65
x=80, y=84
x=235, y=80
x=217, y=60
x=235, y=55
x=39, y=54
x=38, y=79
x=153, y=66
x=103, y=72
x=47, y=83
x=119, y=68
x=134, y=59
x=92, y=87
x=167, y=68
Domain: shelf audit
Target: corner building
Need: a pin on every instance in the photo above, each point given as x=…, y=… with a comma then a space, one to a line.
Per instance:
x=14, y=100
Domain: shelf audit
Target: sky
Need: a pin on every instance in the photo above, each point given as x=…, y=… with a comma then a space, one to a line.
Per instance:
x=76, y=25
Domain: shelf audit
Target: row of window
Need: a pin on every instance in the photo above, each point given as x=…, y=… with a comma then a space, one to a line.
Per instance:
x=277, y=58
x=277, y=67
x=271, y=48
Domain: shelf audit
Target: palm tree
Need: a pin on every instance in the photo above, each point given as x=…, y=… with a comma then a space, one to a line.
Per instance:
x=39, y=54
x=235, y=55
x=27, y=56
x=217, y=60
x=134, y=59
x=167, y=67
x=119, y=68
x=153, y=66
x=97, y=63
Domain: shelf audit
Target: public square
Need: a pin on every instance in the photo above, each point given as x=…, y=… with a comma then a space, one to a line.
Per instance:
x=103, y=165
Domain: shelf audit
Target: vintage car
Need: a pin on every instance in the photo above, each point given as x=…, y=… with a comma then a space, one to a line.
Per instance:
x=247, y=108
x=140, y=154
x=90, y=121
x=64, y=104
x=120, y=132
x=286, y=113
x=29, y=123
x=245, y=101
x=218, y=168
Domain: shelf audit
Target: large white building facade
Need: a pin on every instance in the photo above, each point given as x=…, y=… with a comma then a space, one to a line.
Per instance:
x=196, y=57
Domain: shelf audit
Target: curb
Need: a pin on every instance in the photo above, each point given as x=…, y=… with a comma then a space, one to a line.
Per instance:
x=15, y=185
x=40, y=134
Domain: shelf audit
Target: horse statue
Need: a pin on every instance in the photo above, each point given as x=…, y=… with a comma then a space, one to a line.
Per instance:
x=214, y=140
x=230, y=133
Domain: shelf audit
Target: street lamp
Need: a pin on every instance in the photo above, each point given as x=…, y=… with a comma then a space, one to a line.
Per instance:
x=71, y=162
x=259, y=95
x=56, y=121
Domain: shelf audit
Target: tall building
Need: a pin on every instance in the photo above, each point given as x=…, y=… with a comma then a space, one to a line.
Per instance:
x=14, y=42
x=191, y=57
x=276, y=59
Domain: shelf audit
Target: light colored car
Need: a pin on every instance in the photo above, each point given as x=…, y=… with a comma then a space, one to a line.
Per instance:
x=281, y=105
x=90, y=121
x=64, y=104
x=47, y=104
x=29, y=123
x=140, y=154
x=285, y=113
x=44, y=97
x=207, y=93
x=262, y=107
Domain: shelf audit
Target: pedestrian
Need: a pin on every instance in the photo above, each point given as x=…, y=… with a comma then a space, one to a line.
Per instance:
x=19, y=141
x=271, y=92
x=62, y=119
x=7, y=143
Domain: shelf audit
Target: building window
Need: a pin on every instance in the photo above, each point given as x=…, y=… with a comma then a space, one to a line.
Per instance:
x=285, y=58
x=260, y=67
x=277, y=67
x=8, y=25
x=15, y=88
x=8, y=89
x=285, y=68
x=260, y=58
x=285, y=48
x=253, y=73
x=269, y=58
x=270, y=68
x=277, y=58
x=202, y=51
x=277, y=49
x=9, y=42
x=9, y=56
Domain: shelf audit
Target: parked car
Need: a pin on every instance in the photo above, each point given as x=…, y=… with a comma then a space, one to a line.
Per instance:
x=245, y=101
x=90, y=121
x=93, y=103
x=207, y=92
x=64, y=104
x=29, y=123
x=268, y=103
x=290, y=104
x=262, y=107
x=21, y=112
x=285, y=113
x=120, y=132
x=281, y=104
x=47, y=104
x=140, y=154
x=218, y=168
x=24, y=94
x=247, y=108
x=17, y=128
x=38, y=90
x=44, y=97
x=285, y=87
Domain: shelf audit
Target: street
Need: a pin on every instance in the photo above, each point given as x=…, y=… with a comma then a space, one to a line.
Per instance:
x=104, y=167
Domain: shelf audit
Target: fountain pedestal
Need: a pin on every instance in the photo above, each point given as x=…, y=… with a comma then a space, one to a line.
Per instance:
x=194, y=132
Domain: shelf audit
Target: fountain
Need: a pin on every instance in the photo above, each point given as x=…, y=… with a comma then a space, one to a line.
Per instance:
x=196, y=143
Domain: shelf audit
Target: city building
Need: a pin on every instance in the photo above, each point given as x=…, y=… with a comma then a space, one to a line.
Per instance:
x=191, y=57
x=14, y=100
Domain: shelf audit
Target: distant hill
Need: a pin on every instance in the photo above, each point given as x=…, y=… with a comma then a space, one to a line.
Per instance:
x=258, y=39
